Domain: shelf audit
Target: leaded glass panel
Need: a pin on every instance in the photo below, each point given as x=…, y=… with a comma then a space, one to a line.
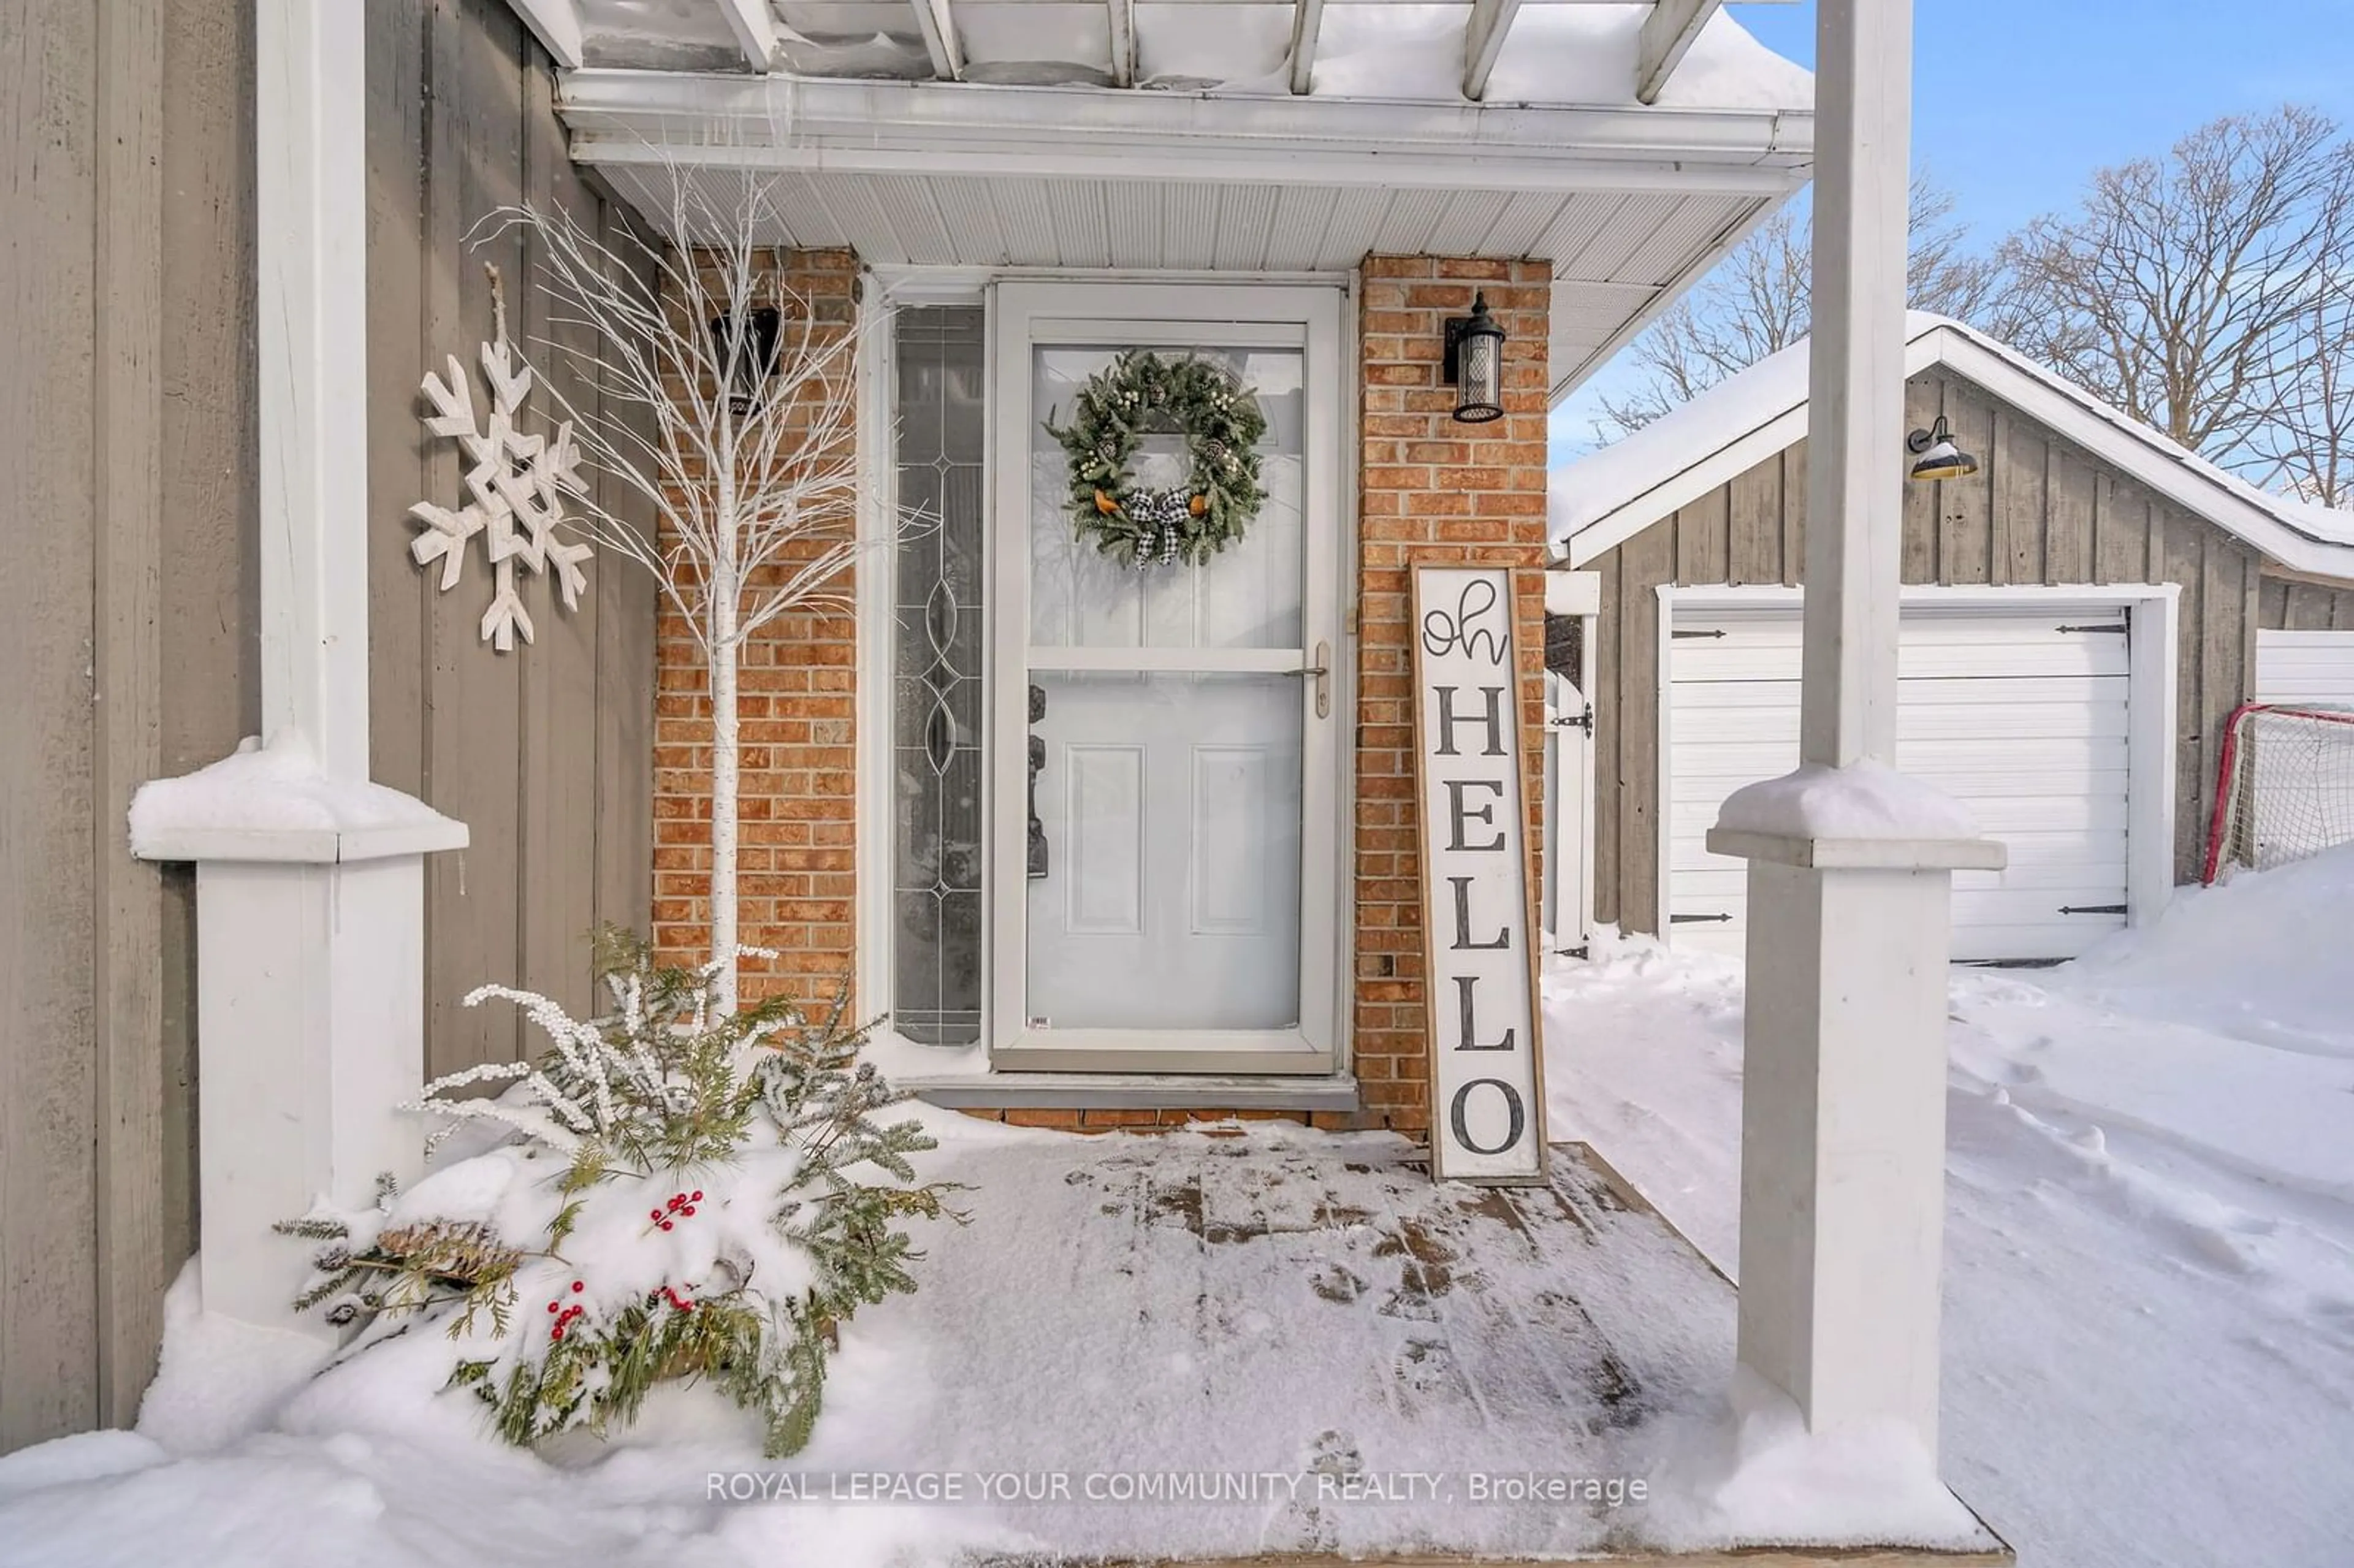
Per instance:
x=938, y=693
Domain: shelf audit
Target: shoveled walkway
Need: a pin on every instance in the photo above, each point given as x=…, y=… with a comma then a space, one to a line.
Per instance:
x=1189, y=1346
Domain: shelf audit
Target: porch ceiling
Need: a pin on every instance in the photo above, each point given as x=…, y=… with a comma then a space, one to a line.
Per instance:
x=1626, y=143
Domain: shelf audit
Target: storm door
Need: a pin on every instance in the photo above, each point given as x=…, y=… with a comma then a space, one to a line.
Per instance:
x=1164, y=801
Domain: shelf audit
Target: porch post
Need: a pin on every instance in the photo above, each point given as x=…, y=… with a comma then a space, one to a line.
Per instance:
x=1843, y=1112
x=310, y=879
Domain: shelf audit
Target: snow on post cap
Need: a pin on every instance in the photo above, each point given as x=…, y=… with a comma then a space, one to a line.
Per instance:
x=1862, y=801
x=275, y=802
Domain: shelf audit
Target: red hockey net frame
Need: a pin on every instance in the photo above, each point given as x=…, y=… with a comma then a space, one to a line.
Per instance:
x=2232, y=832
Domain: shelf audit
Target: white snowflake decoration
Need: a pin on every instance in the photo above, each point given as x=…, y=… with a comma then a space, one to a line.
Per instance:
x=514, y=489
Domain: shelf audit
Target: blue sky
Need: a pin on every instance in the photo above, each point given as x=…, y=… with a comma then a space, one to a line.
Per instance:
x=2017, y=101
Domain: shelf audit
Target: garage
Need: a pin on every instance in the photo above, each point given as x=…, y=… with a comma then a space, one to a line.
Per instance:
x=2023, y=712
x=2306, y=669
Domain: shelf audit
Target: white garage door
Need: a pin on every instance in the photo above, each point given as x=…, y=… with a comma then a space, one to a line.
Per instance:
x=2023, y=716
x=2306, y=669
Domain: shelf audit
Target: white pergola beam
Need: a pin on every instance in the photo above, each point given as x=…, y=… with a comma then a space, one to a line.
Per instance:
x=1483, y=42
x=1123, y=42
x=556, y=25
x=940, y=41
x=1666, y=36
x=755, y=30
x=1307, y=22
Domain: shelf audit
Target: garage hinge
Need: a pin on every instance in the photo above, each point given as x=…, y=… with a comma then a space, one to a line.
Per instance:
x=1680, y=632
x=2120, y=628
x=1699, y=919
x=1583, y=721
x=2092, y=909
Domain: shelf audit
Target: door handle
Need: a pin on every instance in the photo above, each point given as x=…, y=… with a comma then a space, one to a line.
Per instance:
x=1035, y=850
x=1321, y=672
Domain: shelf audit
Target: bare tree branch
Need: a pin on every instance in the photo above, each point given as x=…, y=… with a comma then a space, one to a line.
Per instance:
x=2205, y=293
x=1758, y=302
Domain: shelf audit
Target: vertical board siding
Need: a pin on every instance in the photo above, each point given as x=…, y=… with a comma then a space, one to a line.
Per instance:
x=1609, y=715
x=543, y=752
x=126, y=673
x=48, y=417
x=126, y=428
x=2288, y=605
x=2039, y=511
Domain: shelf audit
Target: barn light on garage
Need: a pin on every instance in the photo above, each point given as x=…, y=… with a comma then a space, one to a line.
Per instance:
x=1935, y=454
x=748, y=355
x=1475, y=363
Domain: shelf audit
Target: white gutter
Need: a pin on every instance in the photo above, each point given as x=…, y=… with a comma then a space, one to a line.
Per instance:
x=815, y=124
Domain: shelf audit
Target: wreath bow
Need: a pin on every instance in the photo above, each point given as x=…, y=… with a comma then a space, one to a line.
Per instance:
x=1139, y=393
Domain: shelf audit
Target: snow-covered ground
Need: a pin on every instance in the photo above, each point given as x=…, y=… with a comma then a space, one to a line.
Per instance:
x=2149, y=1314
x=2149, y=1296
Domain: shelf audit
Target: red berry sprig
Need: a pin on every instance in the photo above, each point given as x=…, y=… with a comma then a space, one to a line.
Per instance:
x=678, y=1303
x=681, y=1206
x=565, y=1311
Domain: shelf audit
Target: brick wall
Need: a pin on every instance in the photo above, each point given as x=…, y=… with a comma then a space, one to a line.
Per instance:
x=796, y=879
x=1437, y=492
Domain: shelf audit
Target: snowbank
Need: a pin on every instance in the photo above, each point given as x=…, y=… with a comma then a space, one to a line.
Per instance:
x=2264, y=957
x=2149, y=1282
x=1759, y=1477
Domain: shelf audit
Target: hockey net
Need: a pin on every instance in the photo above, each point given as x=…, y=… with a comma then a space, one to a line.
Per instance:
x=2285, y=788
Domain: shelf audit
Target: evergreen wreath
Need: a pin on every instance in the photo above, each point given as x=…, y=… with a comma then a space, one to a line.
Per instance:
x=1143, y=394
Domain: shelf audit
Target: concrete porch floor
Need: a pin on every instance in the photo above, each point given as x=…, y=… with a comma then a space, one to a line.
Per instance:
x=1374, y=1369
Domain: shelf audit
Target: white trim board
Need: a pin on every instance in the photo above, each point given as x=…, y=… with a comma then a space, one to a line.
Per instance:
x=783, y=122
x=1764, y=410
x=2152, y=652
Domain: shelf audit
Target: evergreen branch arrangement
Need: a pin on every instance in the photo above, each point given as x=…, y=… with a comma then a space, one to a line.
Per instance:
x=1141, y=394
x=709, y=1196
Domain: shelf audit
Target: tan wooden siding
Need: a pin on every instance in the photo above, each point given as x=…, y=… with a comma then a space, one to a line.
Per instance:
x=545, y=753
x=2039, y=510
x=2292, y=604
x=126, y=437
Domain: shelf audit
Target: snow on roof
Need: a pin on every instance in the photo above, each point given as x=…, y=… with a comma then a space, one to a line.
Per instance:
x=1579, y=54
x=1556, y=55
x=1596, y=501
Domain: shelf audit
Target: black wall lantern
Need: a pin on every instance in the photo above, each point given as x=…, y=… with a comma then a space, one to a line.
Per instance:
x=749, y=357
x=1475, y=363
x=1936, y=456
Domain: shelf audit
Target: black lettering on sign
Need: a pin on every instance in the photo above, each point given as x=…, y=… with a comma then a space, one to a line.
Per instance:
x=1448, y=718
x=1457, y=1117
x=1457, y=814
x=1463, y=942
x=1476, y=624
x=1469, y=1039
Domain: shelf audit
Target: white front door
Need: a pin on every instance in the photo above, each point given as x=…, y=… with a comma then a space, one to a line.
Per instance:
x=1164, y=808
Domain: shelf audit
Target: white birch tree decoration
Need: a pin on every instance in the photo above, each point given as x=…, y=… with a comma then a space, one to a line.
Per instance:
x=753, y=479
x=515, y=486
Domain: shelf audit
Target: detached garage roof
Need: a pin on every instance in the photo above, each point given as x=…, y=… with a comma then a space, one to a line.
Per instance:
x=1599, y=501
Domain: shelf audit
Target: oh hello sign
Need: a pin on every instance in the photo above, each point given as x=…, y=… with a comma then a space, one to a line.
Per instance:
x=1487, y=1108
